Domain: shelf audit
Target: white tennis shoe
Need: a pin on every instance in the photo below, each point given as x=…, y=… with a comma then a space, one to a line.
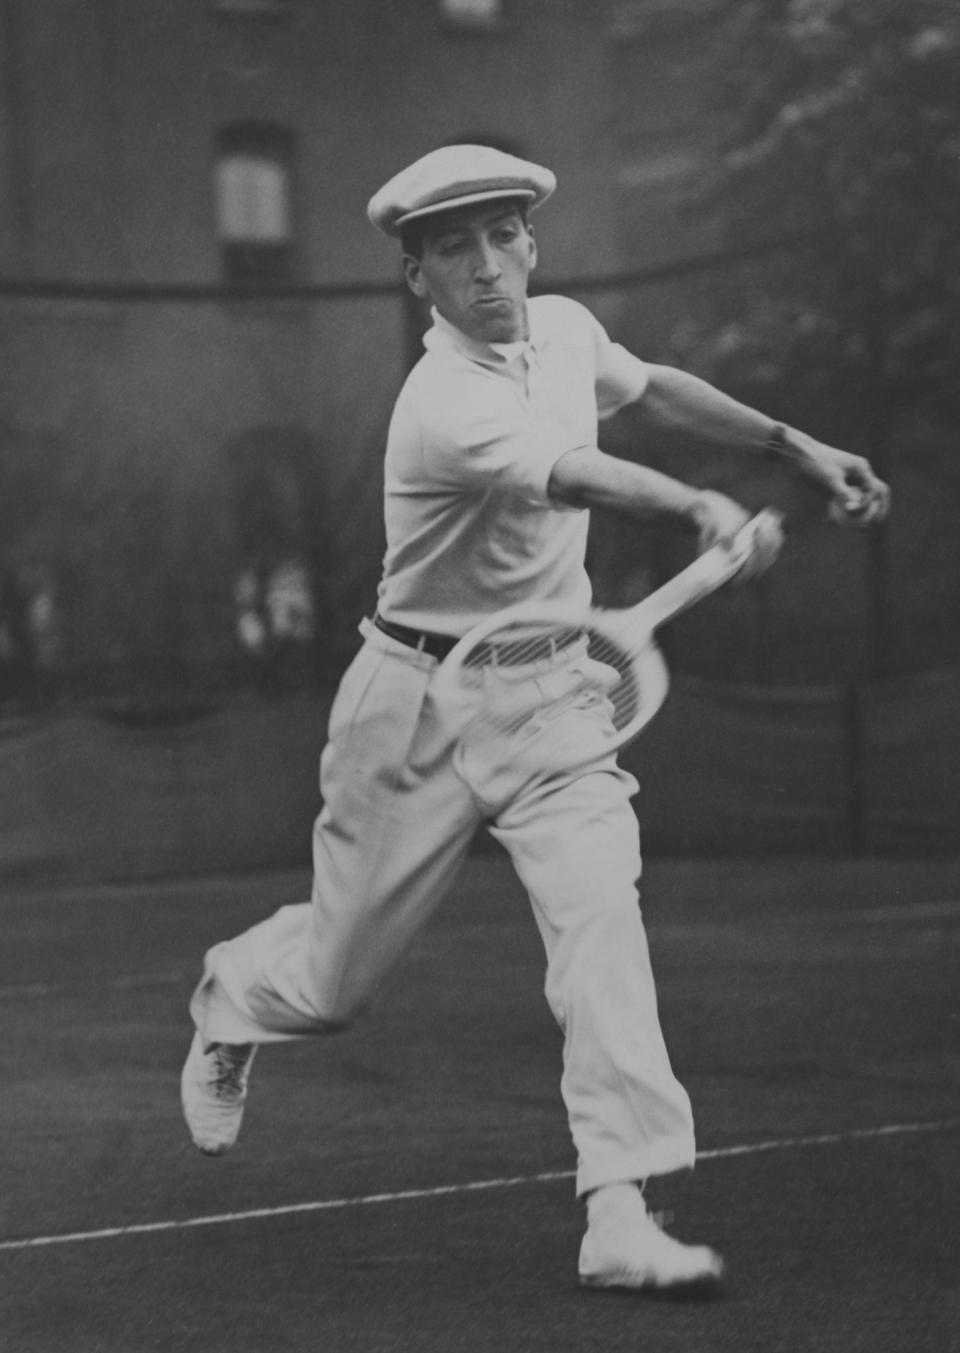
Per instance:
x=213, y=1089
x=625, y=1248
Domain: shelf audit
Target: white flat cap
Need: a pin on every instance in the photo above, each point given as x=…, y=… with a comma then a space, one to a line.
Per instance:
x=455, y=176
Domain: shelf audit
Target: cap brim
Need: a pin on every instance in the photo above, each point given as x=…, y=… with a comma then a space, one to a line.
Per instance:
x=452, y=203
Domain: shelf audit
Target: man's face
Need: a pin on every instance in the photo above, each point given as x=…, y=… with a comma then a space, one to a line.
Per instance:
x=475, y=265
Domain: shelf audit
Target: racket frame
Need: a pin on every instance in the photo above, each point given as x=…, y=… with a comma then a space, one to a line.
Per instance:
x=632, y=629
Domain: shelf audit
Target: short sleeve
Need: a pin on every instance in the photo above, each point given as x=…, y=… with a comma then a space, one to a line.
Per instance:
x=621, y=378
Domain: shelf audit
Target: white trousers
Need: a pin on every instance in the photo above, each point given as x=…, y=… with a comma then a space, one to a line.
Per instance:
x=397, y=821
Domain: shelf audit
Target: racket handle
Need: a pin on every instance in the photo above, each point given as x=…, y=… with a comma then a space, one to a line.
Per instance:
x=710, y=570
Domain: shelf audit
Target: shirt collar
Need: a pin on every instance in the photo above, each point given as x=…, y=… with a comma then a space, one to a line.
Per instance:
x=446, y=336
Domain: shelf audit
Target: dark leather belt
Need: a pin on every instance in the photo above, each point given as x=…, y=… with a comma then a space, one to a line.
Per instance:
x=437, y=645
x=506, y=655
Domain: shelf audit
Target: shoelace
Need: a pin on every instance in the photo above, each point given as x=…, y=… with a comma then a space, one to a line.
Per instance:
x=230, y=1065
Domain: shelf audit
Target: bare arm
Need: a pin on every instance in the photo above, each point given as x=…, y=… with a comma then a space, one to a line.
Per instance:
x=588, y=477
x=676, y=401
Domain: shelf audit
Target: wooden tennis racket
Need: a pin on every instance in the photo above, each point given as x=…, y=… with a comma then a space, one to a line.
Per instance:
x=529, y=663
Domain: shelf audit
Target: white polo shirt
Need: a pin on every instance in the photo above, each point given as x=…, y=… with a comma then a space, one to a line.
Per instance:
x=475, y=434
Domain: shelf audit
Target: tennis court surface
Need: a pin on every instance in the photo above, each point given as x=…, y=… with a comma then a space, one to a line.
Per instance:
x=407, y=1187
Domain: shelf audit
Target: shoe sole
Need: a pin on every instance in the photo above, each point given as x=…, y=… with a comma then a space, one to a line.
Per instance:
x=212, y=1151
x=705, y=1288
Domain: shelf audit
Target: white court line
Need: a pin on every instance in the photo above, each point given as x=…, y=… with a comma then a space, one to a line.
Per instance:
x=475, y=1186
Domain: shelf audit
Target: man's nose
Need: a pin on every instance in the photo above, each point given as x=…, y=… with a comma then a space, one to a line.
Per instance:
x=487, y=267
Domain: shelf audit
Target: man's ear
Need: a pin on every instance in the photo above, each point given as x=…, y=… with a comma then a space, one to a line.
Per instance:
x=413, y=272
x=533, y=248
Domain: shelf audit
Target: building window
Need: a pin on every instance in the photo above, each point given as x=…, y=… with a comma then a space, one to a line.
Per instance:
x=473, y=16
x=254, y=172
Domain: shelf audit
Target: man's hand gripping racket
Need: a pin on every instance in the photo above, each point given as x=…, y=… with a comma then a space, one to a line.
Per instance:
x=505, y=678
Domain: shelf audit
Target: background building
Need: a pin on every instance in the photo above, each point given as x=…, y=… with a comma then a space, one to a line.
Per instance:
x=203, y=338
x=188, y=273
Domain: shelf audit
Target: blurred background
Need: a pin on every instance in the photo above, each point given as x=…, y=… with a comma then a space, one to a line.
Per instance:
x=203, y=338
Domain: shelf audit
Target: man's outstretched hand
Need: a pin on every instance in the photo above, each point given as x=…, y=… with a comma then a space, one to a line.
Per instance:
x=856, y=496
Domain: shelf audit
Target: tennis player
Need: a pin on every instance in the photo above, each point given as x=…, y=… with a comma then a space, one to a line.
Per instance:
x=491, y=466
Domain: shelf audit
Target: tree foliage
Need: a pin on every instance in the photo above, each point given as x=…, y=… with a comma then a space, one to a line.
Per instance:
x=840, y=119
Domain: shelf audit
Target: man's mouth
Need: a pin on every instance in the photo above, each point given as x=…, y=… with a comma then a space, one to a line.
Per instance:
x=492, y=303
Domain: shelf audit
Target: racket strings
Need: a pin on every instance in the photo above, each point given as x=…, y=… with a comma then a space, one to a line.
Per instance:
x=513, y=654
x=619, y=645
x=524, y=651
x=532, y=644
